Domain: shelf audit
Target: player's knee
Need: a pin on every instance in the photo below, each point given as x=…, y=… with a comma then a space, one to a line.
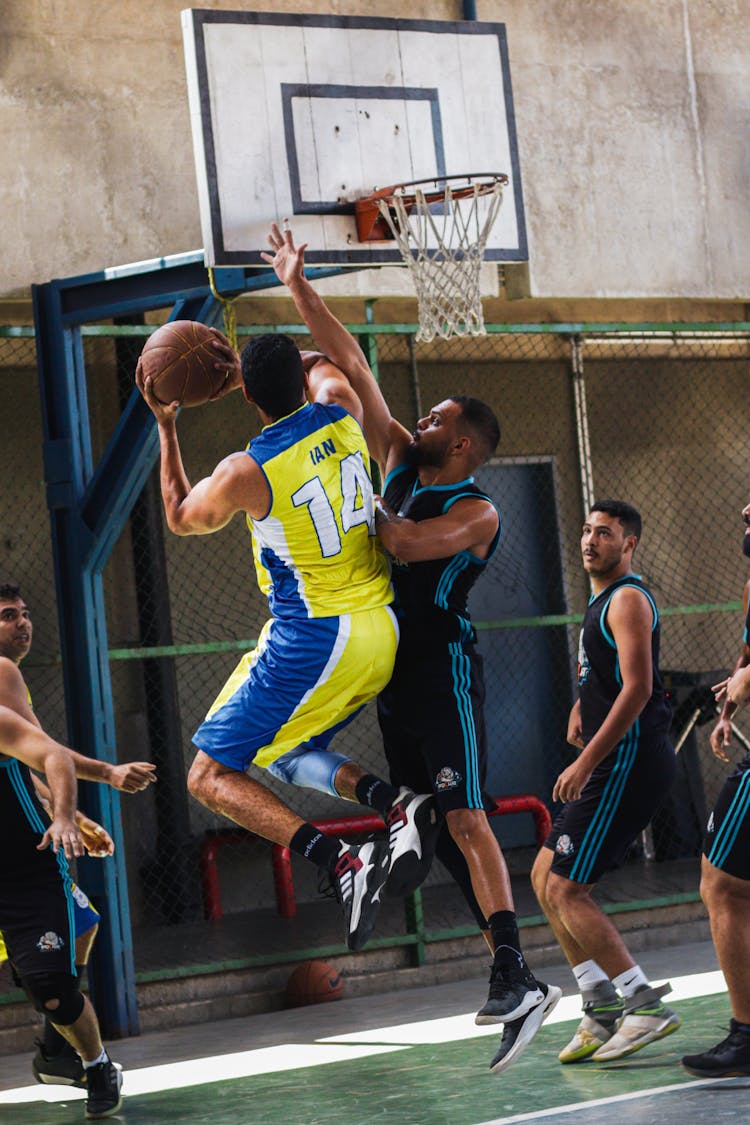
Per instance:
x=466, y=825
x=719, y=890
x=56, y=995
x=561, y=893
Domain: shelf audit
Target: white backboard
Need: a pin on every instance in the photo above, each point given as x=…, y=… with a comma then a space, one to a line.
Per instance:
x=297, y=116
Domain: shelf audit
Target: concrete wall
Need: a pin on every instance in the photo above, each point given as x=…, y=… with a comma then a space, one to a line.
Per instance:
x=632, y=120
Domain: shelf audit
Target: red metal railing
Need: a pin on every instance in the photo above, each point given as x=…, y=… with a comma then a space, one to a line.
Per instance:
x=281, y=858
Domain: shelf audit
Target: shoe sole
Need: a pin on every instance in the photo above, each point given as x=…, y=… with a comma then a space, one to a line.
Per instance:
x=582, y=1055
x=649, y=1037
x=529, y=1029
x=530, y=1000
x=57, y=1079
x=358, y=938
x=737, y=1072
x=105, y=1112
x=408, y=870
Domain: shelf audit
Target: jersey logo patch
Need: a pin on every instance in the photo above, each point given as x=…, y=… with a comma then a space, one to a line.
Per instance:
x=50, y=942
x=447, y=778
x=564, y=845
x=80, y=898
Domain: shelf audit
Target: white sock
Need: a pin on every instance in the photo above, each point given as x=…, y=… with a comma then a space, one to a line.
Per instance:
x=95, y=1062
x=588, y=974
x=626, y=983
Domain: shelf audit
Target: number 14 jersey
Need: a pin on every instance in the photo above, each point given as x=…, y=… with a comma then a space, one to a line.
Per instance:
x=315, y=550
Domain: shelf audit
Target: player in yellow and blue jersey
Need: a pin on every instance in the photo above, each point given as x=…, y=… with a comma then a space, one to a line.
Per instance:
x=305, y=489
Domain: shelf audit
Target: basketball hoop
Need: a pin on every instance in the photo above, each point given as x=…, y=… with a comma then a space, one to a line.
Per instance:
x=442, y=234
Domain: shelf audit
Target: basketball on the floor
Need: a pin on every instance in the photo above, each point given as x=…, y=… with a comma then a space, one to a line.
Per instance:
x=180, y=360
x=313, y=982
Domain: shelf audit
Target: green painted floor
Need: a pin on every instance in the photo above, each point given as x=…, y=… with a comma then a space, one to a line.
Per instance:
x=448, y=1083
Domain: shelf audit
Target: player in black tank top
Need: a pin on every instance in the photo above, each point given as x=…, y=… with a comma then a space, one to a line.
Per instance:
x=599, y=679
x=432, y=594
x=620, y=723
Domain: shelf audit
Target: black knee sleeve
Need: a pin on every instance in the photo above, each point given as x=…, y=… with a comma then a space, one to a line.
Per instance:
x=63, y=987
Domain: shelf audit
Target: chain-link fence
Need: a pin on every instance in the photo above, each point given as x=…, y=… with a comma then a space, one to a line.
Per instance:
x=651, y=416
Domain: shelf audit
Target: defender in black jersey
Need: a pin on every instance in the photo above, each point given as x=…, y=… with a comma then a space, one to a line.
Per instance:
x=725, y=871
x=621, y=724
x=42, y=912
x=440, y=530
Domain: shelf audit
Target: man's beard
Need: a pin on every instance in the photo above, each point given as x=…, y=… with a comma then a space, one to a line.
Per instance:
x=419, y=457
x=746, y=545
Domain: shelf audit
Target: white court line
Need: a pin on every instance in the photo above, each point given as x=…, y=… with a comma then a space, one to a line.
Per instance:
x=577, y=1107
x=337, y=1048
x=217, y=1068
x=452, y=1028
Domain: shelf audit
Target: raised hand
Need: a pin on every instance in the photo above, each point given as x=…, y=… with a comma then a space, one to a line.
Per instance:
x=287, y=259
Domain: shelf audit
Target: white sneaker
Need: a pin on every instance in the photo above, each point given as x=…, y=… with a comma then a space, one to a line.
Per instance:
x=645, y=1020
x=413, y=828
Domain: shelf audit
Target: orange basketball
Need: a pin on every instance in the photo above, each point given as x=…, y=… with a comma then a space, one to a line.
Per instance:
x=313, y=982
x=180, y=359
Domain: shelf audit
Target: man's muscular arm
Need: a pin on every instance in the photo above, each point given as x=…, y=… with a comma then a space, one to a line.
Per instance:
x=469, y=525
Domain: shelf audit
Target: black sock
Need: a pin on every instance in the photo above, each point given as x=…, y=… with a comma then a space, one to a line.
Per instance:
x=743, y=1027
x=52, y=1041
x=505, y=939
x=375, y=793
x=314, y=845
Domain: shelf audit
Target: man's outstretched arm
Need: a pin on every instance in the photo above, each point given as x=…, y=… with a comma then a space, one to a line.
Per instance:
x=386, y=437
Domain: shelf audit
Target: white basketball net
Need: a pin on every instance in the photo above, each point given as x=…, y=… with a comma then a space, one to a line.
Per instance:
x=442, y=245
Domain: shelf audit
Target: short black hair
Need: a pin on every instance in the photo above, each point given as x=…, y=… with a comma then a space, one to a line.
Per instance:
x=9, y=591
x=272, y=373
x=628, y=516
x=482, y=423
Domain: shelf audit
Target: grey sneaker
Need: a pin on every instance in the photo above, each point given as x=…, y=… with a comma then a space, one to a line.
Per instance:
x=645, y=1020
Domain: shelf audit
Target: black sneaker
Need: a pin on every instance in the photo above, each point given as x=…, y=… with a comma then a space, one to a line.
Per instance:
x=358, y=879
x=63, y=1069
x=413, y=828
x=103, y=1081
x=728, y=1059
x=511, y=996
x=518, y=1033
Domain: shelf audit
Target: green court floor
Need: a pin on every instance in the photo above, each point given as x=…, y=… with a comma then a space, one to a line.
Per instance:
x=441, y=1083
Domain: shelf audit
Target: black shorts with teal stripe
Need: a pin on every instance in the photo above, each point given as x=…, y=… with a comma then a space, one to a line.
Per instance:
x=727, y=841
x=431, y=717
x=591, y=835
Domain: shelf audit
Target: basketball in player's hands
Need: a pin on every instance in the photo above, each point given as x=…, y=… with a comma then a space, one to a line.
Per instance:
x=180, y=359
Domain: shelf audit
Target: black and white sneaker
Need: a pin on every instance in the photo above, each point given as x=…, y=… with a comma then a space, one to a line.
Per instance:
x=413, y=828
x=63, y=1069
x=104, y=1082
x=358, y=878
x=512, y=994
x=518, y=1033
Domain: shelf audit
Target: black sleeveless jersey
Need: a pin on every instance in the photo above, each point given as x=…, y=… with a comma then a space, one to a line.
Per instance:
x=431, y=596
x=599, y=680
x=23, y=820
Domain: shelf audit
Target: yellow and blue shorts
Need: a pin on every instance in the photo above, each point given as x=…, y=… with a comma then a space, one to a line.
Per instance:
x=306, y=679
